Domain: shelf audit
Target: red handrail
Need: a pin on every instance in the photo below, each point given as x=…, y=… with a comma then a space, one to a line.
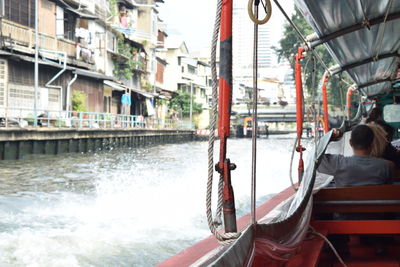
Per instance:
x=325, y=80
x=224, y=166
x=299, y=109
x=348, y=101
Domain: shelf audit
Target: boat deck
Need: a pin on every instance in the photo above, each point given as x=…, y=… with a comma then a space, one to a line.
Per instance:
x=359, y=253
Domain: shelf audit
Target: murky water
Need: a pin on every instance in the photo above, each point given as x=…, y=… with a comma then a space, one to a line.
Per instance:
x=126, y=207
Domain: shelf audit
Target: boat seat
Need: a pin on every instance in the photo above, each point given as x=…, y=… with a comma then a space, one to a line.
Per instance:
x=359, y=199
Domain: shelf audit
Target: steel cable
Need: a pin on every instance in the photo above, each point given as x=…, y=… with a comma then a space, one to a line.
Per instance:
x=306, y=44
x=255, y=120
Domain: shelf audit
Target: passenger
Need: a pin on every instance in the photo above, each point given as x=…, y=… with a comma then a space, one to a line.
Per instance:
x=376, y=116
x=359, y=169
x=380, y=140
x=381, y=147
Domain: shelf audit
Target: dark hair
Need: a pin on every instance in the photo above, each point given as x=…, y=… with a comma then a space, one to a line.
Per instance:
x=375, y=115
x=362, y=137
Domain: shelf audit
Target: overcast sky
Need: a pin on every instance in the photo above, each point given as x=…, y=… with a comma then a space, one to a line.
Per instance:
x=194, y=19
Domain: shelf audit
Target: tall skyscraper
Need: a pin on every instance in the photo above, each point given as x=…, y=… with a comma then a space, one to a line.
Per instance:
x=269, y=35
x=243, y=34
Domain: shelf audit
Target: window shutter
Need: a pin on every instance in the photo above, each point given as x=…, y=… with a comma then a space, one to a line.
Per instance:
x=3, y=81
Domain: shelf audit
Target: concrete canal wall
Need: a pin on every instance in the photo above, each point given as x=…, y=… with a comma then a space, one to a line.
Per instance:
x=16, y=143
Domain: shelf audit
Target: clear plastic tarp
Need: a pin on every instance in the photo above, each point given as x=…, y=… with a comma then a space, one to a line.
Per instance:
x=282, y=230
x=327, y=17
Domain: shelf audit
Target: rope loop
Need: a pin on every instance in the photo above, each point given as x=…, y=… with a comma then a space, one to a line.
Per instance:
x=213, y=223
x=268, y=11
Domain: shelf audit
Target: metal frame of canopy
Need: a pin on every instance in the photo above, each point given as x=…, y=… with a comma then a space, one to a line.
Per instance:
x=361, y=36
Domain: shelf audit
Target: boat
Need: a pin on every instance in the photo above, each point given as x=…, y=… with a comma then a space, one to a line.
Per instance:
x=296, y=226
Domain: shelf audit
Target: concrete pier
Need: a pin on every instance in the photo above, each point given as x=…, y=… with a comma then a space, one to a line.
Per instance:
x=16, y=143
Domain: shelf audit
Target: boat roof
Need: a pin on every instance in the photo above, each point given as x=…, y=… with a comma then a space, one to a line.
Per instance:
x=362, y=36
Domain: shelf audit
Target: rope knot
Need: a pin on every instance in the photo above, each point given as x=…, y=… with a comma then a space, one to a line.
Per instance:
x=366, y=23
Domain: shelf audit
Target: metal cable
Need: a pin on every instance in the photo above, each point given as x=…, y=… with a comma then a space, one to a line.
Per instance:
x=383, y=32
x=306, y=44
x=255, y=121
x=313, y=78
x=291, y=23
x=342, y=103
x=316, y=113
x=223, y=238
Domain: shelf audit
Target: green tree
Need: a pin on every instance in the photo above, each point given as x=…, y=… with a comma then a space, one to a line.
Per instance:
x=79, y=101
x=288, y=48
x=181, y=103
x=125, y=67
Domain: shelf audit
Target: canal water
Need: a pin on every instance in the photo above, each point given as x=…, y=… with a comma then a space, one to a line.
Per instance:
x=124, y=207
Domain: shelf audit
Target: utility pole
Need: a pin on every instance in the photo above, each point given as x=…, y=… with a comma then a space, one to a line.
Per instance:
x=191, y=104
x=35, y=121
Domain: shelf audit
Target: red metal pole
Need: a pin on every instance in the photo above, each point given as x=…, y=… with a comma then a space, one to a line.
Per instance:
x=348, y=102
x=299, y=91
x=224, y=166
x=299, y=109
x=325, y=80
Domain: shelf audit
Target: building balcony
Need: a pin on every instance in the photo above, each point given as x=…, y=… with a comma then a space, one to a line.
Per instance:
x=21, y=38
x=119, y=58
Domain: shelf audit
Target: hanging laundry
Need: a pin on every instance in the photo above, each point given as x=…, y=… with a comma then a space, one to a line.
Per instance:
x=150, y=107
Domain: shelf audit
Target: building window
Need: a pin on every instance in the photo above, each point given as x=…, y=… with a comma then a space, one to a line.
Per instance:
x=22, y=12
x=47, y=4
x=24, y=92
x=191, y=69
x=54, y=95
x=69, y=26
x=154, y=24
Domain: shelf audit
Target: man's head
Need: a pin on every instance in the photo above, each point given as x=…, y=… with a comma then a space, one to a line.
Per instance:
x=361, y=139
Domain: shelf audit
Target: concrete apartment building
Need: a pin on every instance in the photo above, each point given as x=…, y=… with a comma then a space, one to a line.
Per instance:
x=63, y=55
x=105, y=50
x=186, y=73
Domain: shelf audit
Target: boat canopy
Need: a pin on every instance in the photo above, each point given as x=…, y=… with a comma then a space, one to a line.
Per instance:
x=362, y=36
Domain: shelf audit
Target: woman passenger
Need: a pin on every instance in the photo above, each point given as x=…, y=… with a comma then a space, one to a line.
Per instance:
x=381, y=146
